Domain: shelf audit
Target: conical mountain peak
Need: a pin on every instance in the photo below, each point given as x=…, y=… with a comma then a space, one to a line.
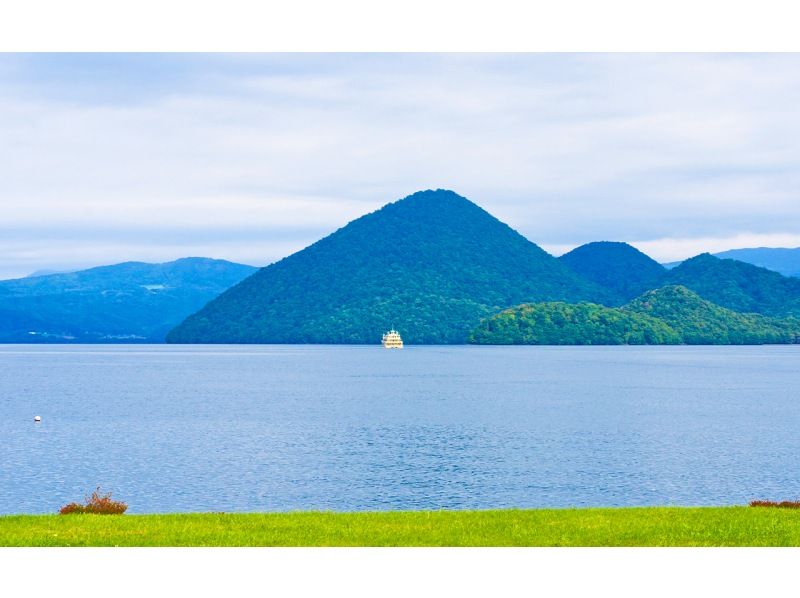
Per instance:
x=433, y=263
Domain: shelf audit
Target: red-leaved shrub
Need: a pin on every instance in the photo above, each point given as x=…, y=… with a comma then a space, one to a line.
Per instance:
x=99, y=504
x=785, y=504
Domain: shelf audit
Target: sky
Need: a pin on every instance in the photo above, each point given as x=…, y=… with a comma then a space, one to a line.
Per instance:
x=107, y=158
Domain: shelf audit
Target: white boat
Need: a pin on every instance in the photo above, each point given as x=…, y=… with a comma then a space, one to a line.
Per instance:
x=392, y=340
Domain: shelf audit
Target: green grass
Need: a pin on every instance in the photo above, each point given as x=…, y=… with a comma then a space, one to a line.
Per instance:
x=656, y=526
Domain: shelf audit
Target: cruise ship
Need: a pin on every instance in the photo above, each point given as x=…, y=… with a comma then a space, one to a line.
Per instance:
x=392, y=340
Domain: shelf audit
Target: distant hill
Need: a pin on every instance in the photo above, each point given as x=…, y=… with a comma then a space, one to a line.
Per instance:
x=431, y=265
x=669, y=315
x=126, y=302
x=565, y=324
x=738, y=286
x=619, y=267
x=782, y=260
x=46, y=272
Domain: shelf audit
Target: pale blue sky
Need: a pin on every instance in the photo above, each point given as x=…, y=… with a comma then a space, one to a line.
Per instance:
x=106, y=158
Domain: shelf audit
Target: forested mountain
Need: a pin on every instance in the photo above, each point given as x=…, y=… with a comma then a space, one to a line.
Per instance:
x=622, y=269
x=431, y=265
x=669, y=315
x=738, y=286
x=564, y=324
x=129, y=302
x=701, y=322
x=778, y=259
x=626, y=272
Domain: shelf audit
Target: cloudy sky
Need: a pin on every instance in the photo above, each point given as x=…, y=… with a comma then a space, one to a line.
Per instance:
x=107, y=158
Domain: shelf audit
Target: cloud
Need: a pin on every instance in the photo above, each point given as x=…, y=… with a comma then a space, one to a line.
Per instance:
x=180, y=151
x=679, y=249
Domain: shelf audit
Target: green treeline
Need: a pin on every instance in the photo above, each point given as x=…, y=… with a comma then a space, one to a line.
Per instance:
x=701, y=322
x=670, y=315
x=557, y=323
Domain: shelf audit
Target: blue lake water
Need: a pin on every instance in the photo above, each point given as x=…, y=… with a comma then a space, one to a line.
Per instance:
x=263, y=428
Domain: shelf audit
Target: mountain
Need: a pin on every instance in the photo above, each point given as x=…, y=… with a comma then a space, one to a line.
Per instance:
x=701, y=322
x=778, y=259
x=132, y=301
x=738, y=286
x=668, y=315
x=618, y=267
x=626, y=272
x=781, y=260
x=431, y=265
x=564, y=324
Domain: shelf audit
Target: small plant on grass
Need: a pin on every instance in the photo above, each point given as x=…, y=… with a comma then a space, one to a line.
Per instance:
x=98, y=504
x=785, y=504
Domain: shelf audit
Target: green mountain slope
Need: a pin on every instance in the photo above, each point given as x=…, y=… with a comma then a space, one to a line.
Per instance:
x=564, y=324
x=701, y=322
x=431, y=265
x=738, y=286
x=618, y=267
x=669, y=315
x=125, y=302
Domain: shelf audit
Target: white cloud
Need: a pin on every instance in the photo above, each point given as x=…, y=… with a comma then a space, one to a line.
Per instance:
x=669, y=250
x=675, y=152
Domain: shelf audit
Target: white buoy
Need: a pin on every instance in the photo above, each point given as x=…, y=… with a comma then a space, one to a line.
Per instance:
x=37, y=419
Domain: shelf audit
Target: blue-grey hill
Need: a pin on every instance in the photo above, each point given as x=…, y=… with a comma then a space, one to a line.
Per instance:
x=128, y=302
x=783, y=260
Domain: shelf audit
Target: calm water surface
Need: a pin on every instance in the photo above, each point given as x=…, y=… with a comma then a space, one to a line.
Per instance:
x=252, y=428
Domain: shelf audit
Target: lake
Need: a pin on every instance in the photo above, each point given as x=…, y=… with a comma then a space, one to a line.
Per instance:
x=349, y=428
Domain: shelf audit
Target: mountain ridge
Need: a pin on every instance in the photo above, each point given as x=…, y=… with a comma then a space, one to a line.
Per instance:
x=738, y=286
x=626, y=272
x=783, y=260
x=125, y=302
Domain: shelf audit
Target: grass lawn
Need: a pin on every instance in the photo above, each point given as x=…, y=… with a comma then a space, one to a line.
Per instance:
x=656, y=526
